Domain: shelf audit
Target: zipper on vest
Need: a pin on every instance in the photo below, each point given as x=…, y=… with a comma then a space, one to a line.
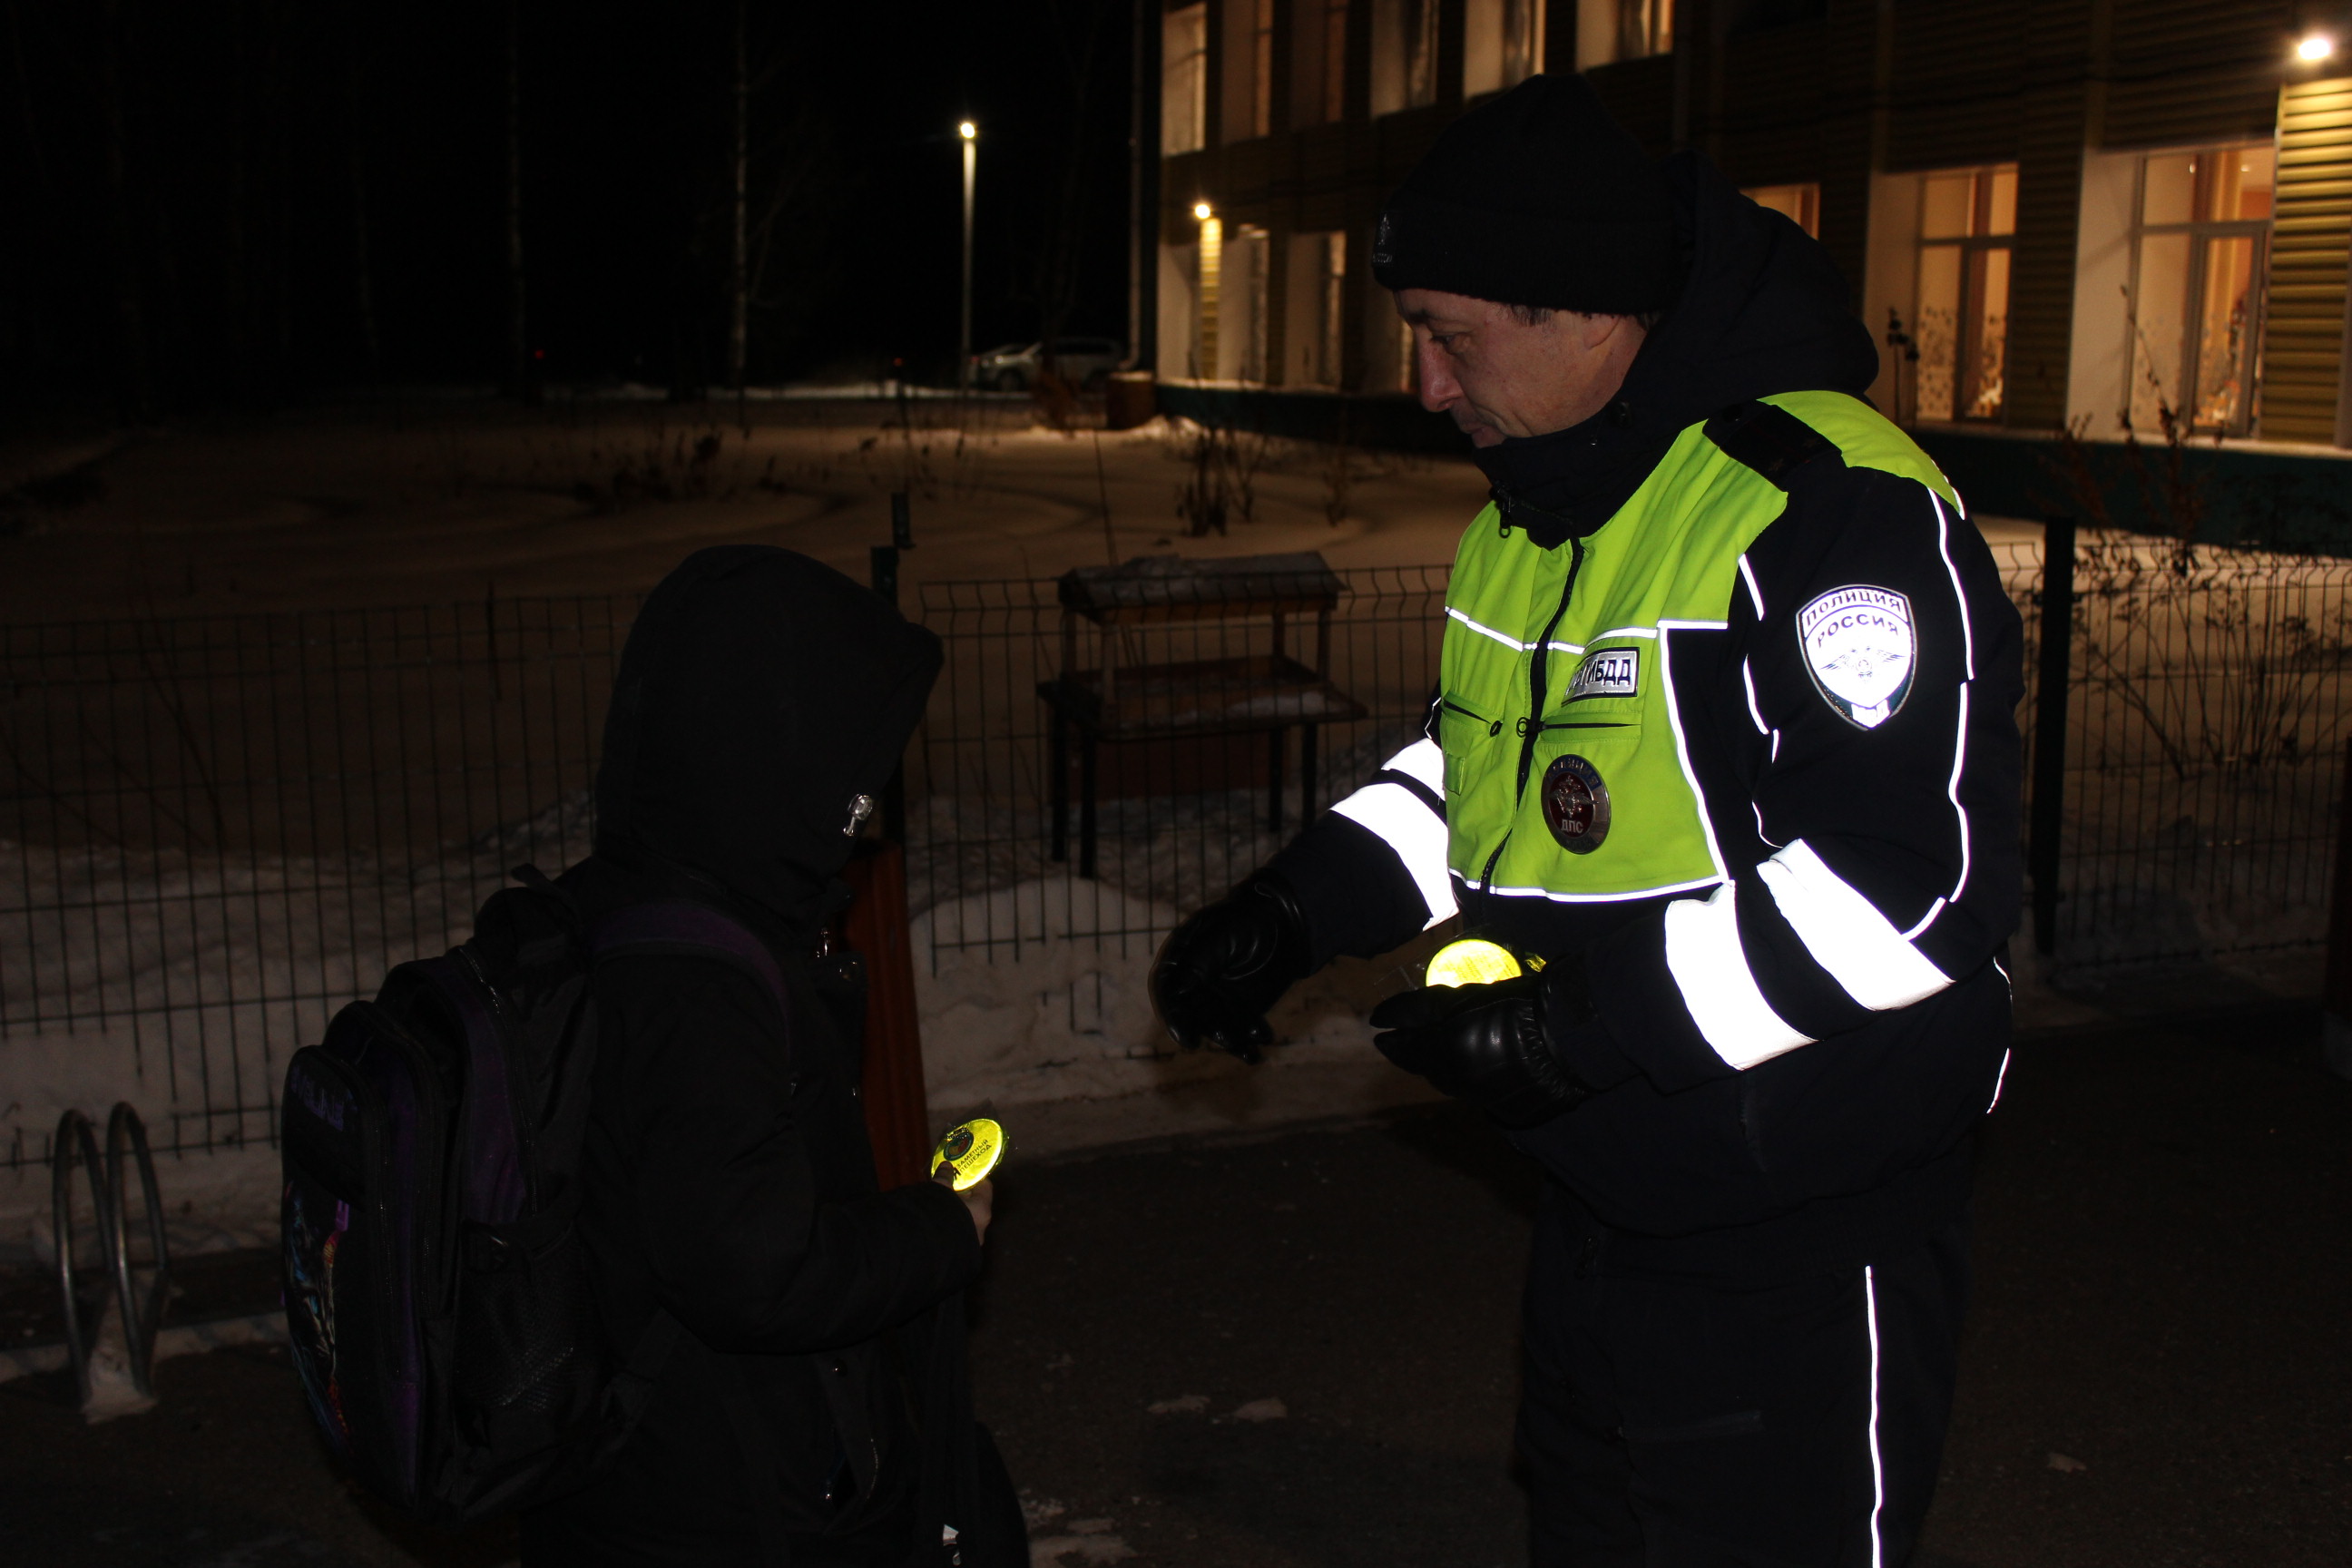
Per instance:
x=1535, y=667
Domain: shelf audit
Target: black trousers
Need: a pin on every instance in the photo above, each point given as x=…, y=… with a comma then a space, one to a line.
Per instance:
x=1669, y=1425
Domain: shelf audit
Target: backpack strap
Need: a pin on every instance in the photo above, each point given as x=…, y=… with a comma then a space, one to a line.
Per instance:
x=685, y=930
x=1771, y=440
x=682, y=929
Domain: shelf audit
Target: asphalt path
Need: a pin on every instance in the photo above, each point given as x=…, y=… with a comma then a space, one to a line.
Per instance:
x=1299, y=1352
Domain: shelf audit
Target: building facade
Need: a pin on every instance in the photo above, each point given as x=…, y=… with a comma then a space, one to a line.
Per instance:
x=2107, y=214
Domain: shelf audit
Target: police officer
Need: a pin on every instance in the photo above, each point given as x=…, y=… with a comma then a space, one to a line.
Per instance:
x=1724, y=738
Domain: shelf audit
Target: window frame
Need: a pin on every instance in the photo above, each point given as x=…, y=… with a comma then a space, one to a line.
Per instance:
x=2199, y=233
x=1967, y=344
x=1192, y=68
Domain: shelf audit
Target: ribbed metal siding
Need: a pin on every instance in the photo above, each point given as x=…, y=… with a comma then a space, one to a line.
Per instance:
x=1641, y=94
x=2302, y=339
x=1772, y=91
x=1959, y=66
x=2194, y=71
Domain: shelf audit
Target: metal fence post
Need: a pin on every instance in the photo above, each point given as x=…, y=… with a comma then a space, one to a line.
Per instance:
x=2047, y=824
x=2336, y=991
x=884, y=559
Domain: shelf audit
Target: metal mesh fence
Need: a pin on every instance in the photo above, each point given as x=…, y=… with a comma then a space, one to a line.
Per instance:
x=2208, y=706
x=1218, y=736
x=214, y=831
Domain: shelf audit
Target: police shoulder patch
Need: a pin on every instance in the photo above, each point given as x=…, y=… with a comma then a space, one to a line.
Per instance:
x=1861, y=650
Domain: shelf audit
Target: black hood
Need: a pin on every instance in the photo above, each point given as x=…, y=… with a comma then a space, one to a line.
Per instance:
x=1764, y=310
x=760, y=694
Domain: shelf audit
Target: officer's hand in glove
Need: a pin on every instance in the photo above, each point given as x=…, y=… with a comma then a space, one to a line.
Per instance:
x=1217, y=975
x=1488, y=1045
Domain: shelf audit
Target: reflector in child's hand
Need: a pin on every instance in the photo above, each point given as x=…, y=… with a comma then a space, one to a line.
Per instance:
x=969, y=1152
x=1474, y=960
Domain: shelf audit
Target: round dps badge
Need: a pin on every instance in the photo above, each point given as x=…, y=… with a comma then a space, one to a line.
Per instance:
x=1575, y=805
x=1859, y=647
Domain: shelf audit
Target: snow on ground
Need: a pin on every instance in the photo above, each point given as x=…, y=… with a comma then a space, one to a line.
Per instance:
x=184, y=987
x=434, y=502
x=184, y=983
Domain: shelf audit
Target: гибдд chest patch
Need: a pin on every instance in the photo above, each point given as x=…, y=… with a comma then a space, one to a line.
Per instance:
x=1607, y=672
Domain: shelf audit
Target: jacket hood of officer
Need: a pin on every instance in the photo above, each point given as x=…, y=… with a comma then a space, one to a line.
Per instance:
x=1763, y=309
x=760, y=694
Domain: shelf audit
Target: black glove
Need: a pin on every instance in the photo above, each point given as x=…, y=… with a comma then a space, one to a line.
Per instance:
x=1220, y=971
x=1491, y=1046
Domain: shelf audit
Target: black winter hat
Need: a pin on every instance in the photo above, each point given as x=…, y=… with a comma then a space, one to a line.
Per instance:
x=1536, y=198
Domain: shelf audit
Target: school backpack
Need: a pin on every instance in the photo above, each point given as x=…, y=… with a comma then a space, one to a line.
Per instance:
x=438, y=1297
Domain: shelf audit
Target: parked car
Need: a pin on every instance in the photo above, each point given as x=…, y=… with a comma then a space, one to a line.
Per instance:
x=1015, y=367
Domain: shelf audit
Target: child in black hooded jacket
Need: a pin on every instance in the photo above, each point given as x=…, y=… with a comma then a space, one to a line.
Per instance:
x=762, y=701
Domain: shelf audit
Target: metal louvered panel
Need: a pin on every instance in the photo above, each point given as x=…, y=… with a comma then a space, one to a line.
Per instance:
x=1641, y=94
x=1958, y=68
x=2189, y=28
x=2194, y=71
x=1771, y=131
x=2302, y=337
x=2211, y=103
x=2042, y=265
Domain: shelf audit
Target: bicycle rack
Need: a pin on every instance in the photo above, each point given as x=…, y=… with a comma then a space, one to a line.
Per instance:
x=142, y=1310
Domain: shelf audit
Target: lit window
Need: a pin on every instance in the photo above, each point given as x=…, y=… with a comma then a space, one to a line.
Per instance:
x=1243, y=306
x=1184, y=80
x=2199, y=254
x=1317, y=308
x=1247, y=51
x=1261, y=68
x=1335, y=59
x=1611, y=30
x=1405, y=54
x=1319, y=61
x=1968, y=220
x=1800, y=204
x=1502, y=43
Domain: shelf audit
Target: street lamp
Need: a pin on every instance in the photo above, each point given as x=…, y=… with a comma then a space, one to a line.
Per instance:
x=969, y=134
x=2314, y=47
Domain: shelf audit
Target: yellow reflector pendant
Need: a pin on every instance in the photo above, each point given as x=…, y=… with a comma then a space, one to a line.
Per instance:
x=1472, y=960
x=970, y=1149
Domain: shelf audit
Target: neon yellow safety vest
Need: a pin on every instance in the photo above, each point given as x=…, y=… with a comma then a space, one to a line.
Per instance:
x=1568, y=771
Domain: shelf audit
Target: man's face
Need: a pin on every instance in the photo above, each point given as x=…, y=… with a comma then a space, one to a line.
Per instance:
x=1498, y=376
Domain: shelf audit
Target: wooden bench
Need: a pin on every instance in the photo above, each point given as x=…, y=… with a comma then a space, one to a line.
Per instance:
x=1191, y=700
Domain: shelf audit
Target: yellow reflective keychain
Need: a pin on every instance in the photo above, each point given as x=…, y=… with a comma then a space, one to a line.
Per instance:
x=969, y=1151
x=1475, y=961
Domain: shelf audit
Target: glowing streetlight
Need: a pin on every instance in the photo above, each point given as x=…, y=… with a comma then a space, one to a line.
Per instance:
x=969, y=135
x=2314, y=46
x=1202, y=210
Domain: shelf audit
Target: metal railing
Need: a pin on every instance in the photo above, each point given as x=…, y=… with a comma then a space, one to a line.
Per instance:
x=214, y=831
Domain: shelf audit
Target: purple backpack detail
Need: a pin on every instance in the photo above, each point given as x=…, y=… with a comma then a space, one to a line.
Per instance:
x=437, y=1294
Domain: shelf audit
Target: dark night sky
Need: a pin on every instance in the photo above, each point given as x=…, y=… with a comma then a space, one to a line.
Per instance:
x=186, y=185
